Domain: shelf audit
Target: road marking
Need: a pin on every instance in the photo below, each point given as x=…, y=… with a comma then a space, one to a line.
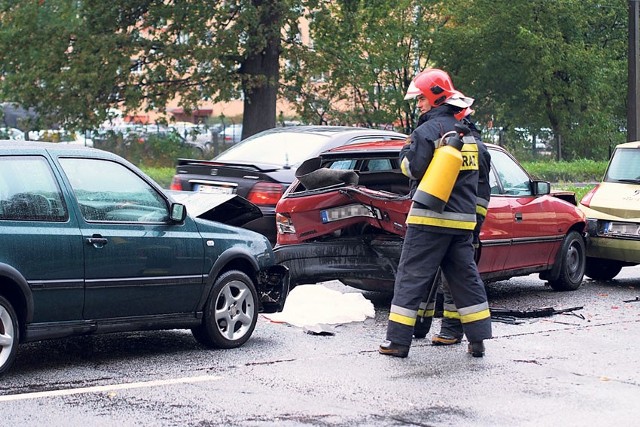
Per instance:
x=103, y=388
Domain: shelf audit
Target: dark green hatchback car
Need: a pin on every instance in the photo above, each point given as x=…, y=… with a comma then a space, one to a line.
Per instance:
x=89, y=244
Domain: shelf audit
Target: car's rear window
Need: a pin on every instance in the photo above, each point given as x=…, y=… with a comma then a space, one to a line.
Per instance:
x=279, y=148
x=363, y=165
x=624, y=165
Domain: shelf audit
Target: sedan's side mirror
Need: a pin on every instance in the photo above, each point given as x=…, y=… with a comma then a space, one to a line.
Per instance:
x=541, y=188
x=178, y=212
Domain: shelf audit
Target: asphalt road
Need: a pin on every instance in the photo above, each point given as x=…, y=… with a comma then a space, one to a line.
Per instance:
x=569, y=369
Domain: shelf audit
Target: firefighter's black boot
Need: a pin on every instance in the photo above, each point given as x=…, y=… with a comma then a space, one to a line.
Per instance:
x=392, y=349
x=476, y=349
x=422, y=326
x=442, y=339
x=450, y=332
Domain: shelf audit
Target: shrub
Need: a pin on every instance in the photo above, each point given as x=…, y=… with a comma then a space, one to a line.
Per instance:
x=578, y=171
x=150, y=150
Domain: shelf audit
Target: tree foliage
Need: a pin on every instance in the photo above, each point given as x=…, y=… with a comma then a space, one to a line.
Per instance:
x=74, y=59
x=558, y=64
x=364, y=55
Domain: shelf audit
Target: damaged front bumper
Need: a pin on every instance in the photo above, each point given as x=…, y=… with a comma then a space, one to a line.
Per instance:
x=610, y=239
x=273, y=288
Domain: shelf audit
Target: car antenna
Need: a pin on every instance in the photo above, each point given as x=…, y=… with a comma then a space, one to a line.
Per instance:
x=286, y=161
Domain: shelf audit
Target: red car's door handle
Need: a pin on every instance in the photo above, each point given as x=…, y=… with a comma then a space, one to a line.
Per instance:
x=518, y=217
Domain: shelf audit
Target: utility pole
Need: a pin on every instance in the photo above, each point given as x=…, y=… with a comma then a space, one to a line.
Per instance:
x=633, y=96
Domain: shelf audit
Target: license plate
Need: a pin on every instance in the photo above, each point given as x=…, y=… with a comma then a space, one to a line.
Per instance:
x=213, y=189
x=623, y=229
x=349, y=211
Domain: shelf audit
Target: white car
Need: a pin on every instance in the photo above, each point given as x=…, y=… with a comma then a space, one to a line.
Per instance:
x=612, y=209
x=231, y=134
x=195, y=134
x=61, y=136
x=12, y=134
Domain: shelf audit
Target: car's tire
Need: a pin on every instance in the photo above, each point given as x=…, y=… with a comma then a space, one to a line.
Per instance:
x=231, y=312
x=9, y=334
x=572, y=259
x=602, y=269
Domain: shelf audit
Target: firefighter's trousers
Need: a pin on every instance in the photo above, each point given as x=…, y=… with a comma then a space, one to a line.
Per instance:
x=450, y=325
x=422, y=252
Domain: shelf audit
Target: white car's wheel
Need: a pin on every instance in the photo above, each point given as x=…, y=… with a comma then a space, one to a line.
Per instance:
x=231, y=312
x=602, y=269
x=9, y=334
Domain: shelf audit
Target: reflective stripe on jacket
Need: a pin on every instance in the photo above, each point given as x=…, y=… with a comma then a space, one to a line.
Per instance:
x=459, y=215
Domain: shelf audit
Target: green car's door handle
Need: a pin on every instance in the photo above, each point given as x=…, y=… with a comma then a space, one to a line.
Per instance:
x=97, y=241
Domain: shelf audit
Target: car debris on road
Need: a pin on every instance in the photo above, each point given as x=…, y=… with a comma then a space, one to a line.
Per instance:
x=506, y=315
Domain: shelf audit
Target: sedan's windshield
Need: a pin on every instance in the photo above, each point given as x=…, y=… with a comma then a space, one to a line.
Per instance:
x=624, y=166
x=279, y=148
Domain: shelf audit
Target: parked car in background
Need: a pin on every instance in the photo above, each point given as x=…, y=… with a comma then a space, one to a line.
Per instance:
x=230, y=134
x=261, y=167
x=199, y=135
x=11, y=134
x=90, y=245
x=61, y=136
x=344, y=218
x=123, y=130
x=181, y=137
x=613, y=215
x=143, y=133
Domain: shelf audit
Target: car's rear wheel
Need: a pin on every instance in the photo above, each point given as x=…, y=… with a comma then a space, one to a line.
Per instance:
x=231, y=312
x=9, y=334
x=572, y=260
x=602, y=269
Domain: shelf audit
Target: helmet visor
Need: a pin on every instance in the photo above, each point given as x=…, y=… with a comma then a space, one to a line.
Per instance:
x=412, y=92
x=459, y=100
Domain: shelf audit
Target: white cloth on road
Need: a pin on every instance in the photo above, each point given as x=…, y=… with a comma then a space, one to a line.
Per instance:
x=309, y=305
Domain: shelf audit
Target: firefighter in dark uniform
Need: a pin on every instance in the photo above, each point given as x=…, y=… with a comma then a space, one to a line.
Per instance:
x=451, y=328
x=437, y=238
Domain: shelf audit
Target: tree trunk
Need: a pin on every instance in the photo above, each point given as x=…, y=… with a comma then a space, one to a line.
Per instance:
x=261, y=73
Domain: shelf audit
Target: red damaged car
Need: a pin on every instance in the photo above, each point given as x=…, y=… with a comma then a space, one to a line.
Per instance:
x=344, y=218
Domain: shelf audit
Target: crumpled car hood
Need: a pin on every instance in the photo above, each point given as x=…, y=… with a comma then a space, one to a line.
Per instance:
x=228, y=209
x=618, y=200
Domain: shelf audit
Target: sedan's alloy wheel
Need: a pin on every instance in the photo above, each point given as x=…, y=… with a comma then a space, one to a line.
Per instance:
x=8, y=334
x=231, y=312
x=235, y=310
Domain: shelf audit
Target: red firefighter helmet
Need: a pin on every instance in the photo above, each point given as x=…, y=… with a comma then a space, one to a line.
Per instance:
x=463, y=113
x=434, y=84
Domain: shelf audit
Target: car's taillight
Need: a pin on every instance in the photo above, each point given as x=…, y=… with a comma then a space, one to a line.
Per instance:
x=175, y=184
x=284, y=224
x=586, y=199
x=265, y=193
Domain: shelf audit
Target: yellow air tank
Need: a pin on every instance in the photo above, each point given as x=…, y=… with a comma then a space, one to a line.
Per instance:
x=437, y=183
